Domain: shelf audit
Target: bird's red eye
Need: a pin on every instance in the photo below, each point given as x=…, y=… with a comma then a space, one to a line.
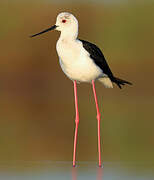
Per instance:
x=63, y=21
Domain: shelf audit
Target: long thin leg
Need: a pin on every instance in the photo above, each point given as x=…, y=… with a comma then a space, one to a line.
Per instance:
x=76, y=122
x=98, y=118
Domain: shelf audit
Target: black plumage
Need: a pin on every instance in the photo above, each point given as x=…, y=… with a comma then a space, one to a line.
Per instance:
x=99, y=59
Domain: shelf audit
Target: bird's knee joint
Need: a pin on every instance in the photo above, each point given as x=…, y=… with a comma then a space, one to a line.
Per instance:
x=98, y=116
x=77, y=120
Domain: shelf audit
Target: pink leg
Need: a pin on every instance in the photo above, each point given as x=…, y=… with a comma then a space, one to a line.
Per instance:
x=98, y=118
x=76, y=122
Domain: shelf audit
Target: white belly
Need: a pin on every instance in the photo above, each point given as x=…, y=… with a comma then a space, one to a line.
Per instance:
x=76, y=63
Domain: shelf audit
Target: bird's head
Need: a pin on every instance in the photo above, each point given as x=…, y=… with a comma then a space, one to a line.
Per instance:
x=66, y=23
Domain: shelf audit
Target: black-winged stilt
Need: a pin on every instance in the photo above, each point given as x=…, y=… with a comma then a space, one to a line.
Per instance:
x=81, y=61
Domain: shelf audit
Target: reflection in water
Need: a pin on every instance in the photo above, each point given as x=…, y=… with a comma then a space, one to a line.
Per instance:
x=36, y=170
x=99, y=174
x=74, y=173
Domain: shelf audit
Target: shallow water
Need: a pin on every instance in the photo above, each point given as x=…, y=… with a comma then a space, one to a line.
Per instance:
x=47, y=170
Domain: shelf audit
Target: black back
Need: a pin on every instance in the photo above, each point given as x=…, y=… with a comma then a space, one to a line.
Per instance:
x=98, y=57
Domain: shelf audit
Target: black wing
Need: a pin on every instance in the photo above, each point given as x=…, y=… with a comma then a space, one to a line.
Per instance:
x=98, y=57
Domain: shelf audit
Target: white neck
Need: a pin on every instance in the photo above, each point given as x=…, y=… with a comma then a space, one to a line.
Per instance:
x=69, y=34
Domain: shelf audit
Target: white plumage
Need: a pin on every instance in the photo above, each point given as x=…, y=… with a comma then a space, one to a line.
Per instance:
x=81, y=60
x=75, y=61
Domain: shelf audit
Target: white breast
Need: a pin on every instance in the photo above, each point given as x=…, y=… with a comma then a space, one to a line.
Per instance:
x=76, y=62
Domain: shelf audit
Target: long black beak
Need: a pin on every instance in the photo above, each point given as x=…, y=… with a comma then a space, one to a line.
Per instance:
x=49, y=29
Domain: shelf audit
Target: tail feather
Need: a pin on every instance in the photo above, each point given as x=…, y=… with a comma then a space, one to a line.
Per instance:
x=120, y=82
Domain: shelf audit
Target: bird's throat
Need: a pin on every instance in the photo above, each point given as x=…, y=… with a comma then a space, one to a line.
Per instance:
x=68, y=36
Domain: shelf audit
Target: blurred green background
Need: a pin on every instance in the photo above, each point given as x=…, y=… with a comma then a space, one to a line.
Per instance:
x=36, y=99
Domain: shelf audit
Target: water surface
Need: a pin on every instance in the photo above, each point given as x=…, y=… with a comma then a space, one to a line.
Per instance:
x=47, y=170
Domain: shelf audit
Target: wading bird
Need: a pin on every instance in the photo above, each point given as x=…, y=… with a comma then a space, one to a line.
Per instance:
x=81, y=61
